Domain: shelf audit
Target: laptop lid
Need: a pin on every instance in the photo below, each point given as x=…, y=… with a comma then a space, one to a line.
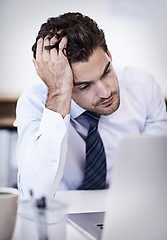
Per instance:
x=89, y=224
x=137, y=202
x=137, y=198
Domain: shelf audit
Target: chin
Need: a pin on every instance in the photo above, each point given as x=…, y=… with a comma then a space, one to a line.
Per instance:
x=108, y=109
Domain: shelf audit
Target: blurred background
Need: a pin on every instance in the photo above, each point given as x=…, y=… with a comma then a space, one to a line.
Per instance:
x=136, y=35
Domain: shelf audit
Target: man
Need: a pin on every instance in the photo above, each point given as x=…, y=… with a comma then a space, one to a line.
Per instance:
x=75, y=67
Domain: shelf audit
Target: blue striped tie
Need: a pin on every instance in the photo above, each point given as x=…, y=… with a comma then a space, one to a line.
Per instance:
x=95, y=169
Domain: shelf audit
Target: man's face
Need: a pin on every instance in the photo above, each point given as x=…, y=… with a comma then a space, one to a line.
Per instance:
x=95, y=84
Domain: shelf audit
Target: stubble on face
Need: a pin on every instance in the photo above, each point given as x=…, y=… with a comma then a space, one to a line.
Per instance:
x=96, y=85
x=106, y=106
x=103, y=106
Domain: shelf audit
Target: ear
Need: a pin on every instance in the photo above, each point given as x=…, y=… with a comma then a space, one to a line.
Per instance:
x=109, y=54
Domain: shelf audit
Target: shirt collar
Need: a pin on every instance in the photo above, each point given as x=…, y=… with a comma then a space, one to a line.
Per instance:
x=76, y=110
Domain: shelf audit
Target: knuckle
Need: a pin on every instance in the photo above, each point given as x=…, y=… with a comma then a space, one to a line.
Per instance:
x=45, y=61
x=37, y=62
x=53, y=40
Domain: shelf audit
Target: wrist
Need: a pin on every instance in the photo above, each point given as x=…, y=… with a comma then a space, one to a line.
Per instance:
x=59, y=101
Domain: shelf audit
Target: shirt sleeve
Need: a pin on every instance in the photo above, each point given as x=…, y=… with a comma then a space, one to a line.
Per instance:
x=156, y=120
x=42, y=147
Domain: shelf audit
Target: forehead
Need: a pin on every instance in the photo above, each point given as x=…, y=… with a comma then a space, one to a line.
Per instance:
x=92, y=69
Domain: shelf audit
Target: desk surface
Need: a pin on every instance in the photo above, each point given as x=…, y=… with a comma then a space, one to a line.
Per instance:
x=78, y=202
x=83, y=201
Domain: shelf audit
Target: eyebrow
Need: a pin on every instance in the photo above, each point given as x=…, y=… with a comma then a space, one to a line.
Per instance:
x=105, y=70
x=89, y=82
x=81, y=83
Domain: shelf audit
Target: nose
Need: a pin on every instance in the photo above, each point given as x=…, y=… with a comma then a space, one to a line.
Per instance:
x=103, y=90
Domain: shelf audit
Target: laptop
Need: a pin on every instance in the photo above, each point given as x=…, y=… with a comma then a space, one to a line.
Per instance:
x=137, y=199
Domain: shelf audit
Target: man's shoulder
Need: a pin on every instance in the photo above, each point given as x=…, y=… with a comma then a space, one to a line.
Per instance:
x=128, y=76
x=31, y=104
x=36, y=92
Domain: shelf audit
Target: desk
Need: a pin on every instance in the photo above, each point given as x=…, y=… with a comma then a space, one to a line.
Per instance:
x=79, y=201
x=83, y=201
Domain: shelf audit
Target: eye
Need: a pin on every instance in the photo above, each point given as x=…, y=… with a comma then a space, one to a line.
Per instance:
x=107, y=72
x=84, y=87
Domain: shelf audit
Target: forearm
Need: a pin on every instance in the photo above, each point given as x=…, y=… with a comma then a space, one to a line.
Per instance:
x=59, y=102
x=43, y=135
x=42, y=155
x=156, y=121
x=54, y=70
x=157, y=125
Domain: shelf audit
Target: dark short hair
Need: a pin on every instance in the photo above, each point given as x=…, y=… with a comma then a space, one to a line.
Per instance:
x=82, y=32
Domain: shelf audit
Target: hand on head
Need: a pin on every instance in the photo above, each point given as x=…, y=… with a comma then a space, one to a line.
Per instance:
x=52, y=65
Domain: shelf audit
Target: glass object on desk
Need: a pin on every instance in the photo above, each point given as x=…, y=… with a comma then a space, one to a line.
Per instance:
x=41, y=223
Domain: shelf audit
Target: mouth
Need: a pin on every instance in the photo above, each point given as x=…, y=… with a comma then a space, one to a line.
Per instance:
x=108, y=102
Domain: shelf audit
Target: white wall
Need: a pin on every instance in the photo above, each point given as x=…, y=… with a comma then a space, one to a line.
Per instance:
x=135, y=30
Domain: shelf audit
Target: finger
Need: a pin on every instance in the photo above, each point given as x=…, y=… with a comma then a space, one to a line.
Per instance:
x=35, y=64
x=53, y=51
x=39, y=49
x=53, y=40
x=63, y=44
x=34, y=61
x=46, y=53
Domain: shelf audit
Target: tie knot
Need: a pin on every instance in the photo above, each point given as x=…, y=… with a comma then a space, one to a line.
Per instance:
x=93, y=118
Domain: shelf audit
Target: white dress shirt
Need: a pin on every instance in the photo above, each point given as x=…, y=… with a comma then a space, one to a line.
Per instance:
x=51, y=150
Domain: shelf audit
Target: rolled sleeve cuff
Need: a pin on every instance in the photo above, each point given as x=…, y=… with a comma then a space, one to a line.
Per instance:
x=52, y=124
